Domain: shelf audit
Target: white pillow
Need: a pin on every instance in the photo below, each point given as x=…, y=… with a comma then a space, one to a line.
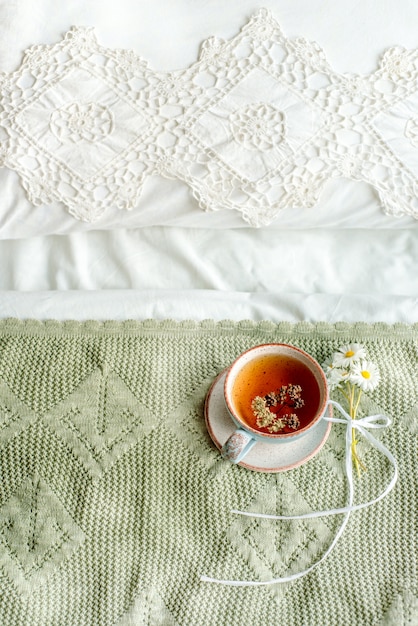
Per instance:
x=263, y=130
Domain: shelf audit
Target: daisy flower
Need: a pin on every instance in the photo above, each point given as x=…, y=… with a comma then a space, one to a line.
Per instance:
x=336, y=376
x=351, y=373
x=349, y=354
x=328, y=364
x=365, y=375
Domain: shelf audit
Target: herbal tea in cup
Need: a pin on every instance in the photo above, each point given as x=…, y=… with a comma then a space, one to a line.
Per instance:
x=274, y=393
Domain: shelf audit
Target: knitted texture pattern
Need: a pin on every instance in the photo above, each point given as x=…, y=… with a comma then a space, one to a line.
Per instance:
x=114, y=500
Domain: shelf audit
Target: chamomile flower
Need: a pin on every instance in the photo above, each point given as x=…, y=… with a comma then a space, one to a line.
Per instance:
x=350, y=373
x=349, y=354
x=365, y=375
x=336, y=376
x=328, y=364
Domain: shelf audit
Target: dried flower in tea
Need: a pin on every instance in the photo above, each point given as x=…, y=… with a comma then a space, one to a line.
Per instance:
x=270, y=409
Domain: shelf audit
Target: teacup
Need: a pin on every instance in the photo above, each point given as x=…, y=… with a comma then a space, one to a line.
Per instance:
x=274, y=393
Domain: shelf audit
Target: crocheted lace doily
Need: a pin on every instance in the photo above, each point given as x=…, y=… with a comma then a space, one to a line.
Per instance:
x=257, y=124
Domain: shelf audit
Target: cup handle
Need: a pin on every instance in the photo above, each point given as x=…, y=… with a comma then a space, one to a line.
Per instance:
x=237, y=446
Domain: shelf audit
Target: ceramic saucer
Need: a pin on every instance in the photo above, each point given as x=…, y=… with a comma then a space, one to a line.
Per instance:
x=263, y=457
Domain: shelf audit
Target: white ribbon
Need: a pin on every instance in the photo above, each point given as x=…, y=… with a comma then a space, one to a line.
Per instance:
x=363, y=425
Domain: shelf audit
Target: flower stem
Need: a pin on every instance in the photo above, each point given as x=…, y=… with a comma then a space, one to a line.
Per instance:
x=359, y=465
x=353, y=408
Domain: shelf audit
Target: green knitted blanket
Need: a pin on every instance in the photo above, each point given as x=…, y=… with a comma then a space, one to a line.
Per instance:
x=114, y=500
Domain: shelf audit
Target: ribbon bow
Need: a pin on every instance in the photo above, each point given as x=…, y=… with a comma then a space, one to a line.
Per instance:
x=363, y=425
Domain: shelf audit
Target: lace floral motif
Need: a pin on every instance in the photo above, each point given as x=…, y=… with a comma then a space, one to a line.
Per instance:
x=258, y=124
x=81, y=121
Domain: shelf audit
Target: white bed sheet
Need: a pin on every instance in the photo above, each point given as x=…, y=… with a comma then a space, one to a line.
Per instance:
x=343, y=260
x=202, y=305
x=332, y=275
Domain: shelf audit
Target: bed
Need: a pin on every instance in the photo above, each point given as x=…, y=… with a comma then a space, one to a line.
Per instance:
x=180, y=181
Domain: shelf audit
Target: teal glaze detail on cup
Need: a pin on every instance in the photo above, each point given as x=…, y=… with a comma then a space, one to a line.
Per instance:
x=237, y=446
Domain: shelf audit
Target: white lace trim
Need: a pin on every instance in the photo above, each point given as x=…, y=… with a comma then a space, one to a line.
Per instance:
x=257, y=124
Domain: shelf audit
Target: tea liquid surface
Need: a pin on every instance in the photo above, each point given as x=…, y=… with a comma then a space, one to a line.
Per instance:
x=266, y=374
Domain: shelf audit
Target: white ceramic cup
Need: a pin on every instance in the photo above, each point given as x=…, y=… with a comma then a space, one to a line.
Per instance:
x=246, y=436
